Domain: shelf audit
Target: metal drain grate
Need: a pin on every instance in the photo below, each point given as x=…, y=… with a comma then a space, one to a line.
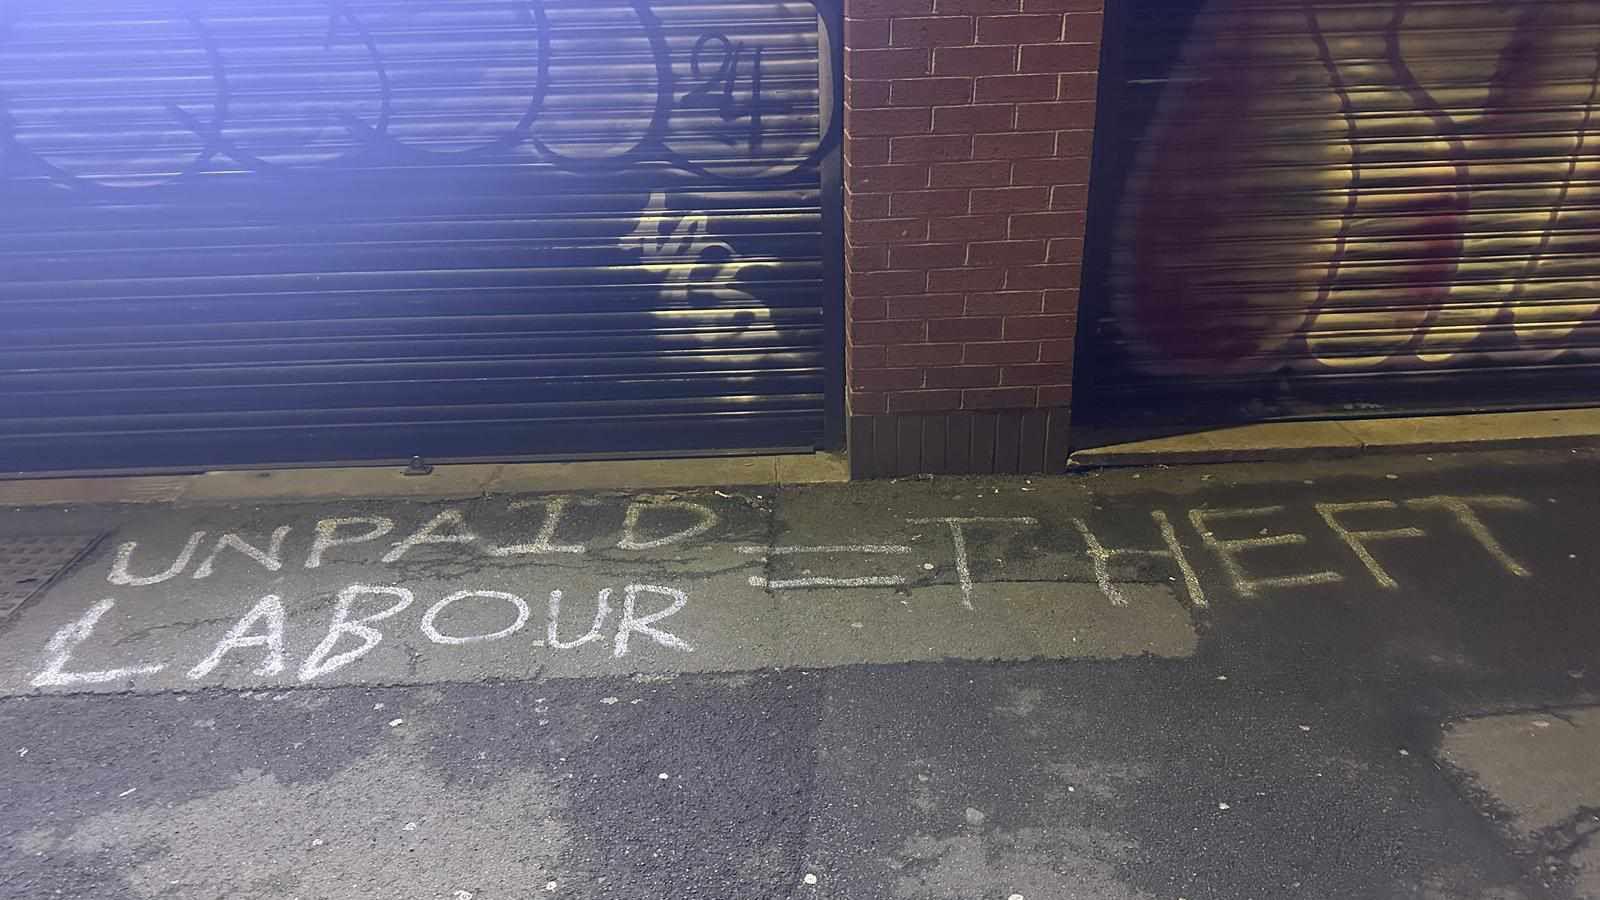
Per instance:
x=29, y=564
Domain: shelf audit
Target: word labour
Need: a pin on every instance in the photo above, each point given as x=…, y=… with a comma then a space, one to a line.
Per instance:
x=360, y=616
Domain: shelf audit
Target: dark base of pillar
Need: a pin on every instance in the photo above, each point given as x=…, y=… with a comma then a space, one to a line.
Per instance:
x=1015, y=442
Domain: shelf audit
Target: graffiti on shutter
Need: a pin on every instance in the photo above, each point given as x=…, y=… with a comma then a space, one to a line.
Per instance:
x=1331, y=186
x=232, y=229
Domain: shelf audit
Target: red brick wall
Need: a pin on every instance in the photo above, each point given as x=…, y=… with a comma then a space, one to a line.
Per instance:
x=967, y=135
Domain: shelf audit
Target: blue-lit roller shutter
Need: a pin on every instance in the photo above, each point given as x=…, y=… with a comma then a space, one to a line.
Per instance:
x=245, y=233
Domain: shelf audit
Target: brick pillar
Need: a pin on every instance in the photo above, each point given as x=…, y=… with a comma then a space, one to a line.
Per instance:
x=968, y=126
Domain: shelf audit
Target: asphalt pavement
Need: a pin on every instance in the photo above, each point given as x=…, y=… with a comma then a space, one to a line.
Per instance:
x=1372, y=678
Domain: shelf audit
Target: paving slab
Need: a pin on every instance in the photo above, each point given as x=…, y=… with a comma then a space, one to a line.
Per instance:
x=1483, y=430
x=568, y=585
x=637, y=473
x=76, y=491
x=31, y=563
x=1541, y=770
x=1244, y=443
x=812, y=468
x=439, y=481
x=1342, y=438
x=315, y=484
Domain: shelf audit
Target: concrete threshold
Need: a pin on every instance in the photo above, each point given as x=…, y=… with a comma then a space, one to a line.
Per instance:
x=1287, y=441
x=445, y=482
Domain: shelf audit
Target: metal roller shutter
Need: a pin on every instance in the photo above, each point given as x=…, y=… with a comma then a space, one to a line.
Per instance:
x=236, y=233
x=1312, y=208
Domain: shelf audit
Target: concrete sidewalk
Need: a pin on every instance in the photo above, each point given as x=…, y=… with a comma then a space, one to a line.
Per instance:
x=583, y=585
x=441, y=481
x=1276, y=680
x=1272, y=441
x=1341, y=438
